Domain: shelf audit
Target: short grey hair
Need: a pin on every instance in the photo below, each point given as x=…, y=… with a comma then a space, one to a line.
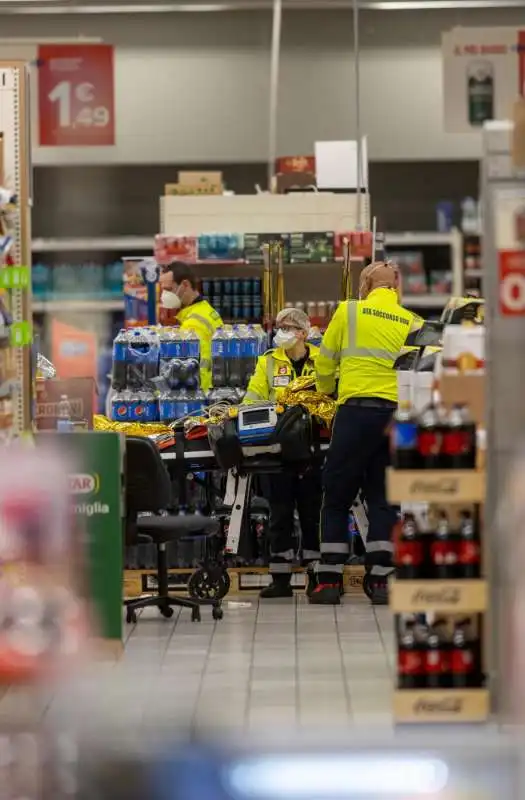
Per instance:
x=293, y=316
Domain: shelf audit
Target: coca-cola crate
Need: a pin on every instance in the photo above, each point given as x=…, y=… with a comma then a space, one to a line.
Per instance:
x=436, y=486
x=441, y=597
x=441, y=705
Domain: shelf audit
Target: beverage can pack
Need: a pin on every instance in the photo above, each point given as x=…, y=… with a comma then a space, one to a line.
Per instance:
x=121, y=406
x=143, y=407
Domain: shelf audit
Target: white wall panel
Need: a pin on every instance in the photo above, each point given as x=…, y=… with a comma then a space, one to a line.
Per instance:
x=194, y=87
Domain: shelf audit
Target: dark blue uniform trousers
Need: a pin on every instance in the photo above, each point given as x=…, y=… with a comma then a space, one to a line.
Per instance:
x=357, y=459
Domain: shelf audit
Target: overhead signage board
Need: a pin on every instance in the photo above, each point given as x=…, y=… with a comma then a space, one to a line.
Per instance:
x=76, y=95
x=483, y=75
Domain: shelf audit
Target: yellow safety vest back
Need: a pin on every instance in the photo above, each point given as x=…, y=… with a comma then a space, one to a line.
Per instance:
x=363, y=339
x=274, y=372
x=202, y=318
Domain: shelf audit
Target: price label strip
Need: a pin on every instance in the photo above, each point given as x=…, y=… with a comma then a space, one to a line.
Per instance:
x=15, y=277
x=21, y=334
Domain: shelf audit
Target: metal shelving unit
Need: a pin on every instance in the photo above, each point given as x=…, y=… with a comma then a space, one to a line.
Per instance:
x=16, y=172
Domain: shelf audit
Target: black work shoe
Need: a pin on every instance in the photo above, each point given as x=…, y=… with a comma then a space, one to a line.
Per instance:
x=326, y=594
x=379, y=593
x=311, y=579
x=279, y=587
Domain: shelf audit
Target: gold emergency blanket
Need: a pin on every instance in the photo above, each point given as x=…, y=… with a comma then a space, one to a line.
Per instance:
x=302, y=392
x=102, y=423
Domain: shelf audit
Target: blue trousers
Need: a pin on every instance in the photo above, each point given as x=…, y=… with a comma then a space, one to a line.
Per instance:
x=357, y=459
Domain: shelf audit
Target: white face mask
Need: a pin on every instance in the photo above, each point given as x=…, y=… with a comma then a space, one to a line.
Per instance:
x=285, y=339
x=170, y=300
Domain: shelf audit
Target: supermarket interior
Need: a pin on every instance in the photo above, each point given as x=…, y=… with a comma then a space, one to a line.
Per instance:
x=261, y=398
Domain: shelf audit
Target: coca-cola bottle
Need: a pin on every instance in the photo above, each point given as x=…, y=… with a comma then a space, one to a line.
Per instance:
x=410, y=658
x=430, y=438
x=443, y=550
x=462, y=657
x=404, y=438
x=437, y=658
x=409, y=550
x=459, y=439
x=469, y=547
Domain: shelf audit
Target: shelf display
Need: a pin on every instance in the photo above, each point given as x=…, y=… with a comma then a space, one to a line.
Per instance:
x=15, y=280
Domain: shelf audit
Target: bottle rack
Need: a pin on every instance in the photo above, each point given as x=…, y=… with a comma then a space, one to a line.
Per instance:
x=451, y=599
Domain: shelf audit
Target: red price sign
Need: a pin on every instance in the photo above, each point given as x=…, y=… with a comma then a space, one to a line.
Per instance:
x=76, y=95
x=512, y=283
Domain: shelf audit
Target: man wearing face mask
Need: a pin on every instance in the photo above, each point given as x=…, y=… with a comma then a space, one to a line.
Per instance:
x=290, y=358
x=179, y=293
x=363, y=340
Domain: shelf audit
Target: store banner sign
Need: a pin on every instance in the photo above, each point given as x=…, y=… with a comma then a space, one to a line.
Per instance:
x=483, y=75
x=76, y=95
x=509, y=208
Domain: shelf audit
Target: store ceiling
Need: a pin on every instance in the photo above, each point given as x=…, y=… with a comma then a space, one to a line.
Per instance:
x=188, y=6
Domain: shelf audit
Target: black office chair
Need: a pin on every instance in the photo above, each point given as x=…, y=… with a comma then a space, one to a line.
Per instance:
x=148, y=489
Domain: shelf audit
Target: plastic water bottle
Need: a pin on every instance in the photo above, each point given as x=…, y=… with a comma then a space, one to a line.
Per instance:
x=234, y=367
x=167, y=407
x=469, y=217
x=249, y=352
x=218, y=358
x=64, y=422
x=119, y=356
x=193, y=345
x=143, y=358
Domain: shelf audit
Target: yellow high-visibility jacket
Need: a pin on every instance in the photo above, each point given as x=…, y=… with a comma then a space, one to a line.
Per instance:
x=201, y=318
x=273, y=372
x=363, y=340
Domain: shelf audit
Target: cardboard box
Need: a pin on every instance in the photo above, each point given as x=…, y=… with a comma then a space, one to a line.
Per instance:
x=467, y=389
x=288, y=164
x=193, y=189
x=198, y=178
x=81, y=393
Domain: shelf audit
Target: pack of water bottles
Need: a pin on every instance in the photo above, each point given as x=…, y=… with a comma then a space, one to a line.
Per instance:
x=234, y=353
x=135, y=359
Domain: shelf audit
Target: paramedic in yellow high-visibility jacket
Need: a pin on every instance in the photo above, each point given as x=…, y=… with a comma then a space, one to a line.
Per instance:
x=180, y=293
x=362, y=341
x=292, y=357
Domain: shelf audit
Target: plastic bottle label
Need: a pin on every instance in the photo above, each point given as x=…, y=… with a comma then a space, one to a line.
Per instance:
x=405, y=435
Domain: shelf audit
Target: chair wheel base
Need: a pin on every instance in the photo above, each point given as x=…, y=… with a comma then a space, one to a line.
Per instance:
x=195, y=615
x=217, y=612
x=166, y=611
x=131, y=616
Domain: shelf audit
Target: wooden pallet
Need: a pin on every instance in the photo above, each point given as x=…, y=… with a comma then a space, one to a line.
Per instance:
x=244, y=580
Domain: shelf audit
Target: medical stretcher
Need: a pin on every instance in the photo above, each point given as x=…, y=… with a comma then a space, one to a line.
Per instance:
x=188, y=454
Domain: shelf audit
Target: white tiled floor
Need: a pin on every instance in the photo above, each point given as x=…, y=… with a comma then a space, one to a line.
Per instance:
x=276, y=662
x=272, y=665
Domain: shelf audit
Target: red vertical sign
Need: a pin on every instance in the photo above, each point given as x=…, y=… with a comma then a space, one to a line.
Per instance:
x=76, y=95
x=521, y=61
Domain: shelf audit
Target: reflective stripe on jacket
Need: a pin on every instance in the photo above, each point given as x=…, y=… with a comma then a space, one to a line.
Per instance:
x=363, y=340
x=201, y=318
x=273, y=372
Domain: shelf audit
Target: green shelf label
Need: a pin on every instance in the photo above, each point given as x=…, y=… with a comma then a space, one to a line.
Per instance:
x=21, y=334
x=16, y=277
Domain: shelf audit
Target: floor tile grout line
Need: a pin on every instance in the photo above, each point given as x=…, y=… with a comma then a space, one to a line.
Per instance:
x=297, y=692
x=343, y=667
x=382, y=640
x=251, y=669
x=201, y=679
x=170, y=637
